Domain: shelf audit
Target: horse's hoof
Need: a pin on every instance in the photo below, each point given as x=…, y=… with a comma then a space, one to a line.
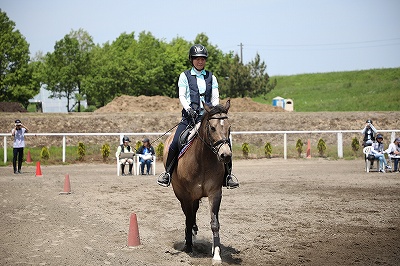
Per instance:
x=188, y=249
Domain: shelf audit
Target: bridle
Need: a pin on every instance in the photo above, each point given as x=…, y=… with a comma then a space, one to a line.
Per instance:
x=215, y=146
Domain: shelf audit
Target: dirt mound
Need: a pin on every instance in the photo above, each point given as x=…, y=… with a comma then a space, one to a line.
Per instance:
x=13, y=107
x=127, y=103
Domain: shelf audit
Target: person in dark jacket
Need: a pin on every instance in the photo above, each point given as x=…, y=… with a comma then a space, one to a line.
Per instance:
x=145, y=152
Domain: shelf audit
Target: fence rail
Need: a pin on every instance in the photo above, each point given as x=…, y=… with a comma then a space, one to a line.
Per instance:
x=339, y=134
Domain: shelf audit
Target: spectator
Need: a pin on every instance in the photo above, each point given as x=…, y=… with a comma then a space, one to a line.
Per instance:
x=393, y=152
x=369, y=132
x=126, y=149
x=145, y=152
x=377, y=151
x=18, y=132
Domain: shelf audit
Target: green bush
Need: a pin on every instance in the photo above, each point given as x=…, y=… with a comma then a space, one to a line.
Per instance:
x=268, y=150
x=245, y=149
x=81, y=151
x=160, y=150
x=299, y=147
x=321, y=147
x=105, y=151
x=355, y=145
x=44, y=153
x=138, y=145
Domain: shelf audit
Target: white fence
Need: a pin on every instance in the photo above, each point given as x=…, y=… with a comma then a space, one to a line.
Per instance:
x=339, y=134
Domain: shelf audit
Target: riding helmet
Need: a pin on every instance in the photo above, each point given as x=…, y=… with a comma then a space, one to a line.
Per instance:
x=379, y=136
x=126, y=139
x=197, y=50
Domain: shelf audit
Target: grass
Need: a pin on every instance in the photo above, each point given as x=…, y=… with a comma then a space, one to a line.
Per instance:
x=366, y=90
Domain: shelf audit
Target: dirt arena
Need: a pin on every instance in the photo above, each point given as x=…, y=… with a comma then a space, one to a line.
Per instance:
x=286, y=212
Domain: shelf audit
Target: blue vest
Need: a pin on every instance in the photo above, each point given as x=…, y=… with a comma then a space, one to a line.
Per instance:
x=194, y=90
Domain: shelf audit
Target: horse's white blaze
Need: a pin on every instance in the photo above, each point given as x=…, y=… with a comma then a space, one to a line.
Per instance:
x=217, y=258
x=222, y=122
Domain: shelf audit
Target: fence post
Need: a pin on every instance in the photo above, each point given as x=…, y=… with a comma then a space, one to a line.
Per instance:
x=5, y=149
x=392, y=136
x=64, y=148
x=285, y=146
x=340, y=145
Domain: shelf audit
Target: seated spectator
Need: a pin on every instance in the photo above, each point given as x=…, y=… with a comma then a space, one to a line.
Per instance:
x=393, y=152
x=377, y=151
x=125, y=148
x=369, y=132
x=145, y=152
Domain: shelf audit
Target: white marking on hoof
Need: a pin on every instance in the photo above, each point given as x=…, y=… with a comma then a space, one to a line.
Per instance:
x=217, y=258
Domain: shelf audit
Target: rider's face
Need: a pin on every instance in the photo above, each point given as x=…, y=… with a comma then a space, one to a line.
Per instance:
x=199, y=62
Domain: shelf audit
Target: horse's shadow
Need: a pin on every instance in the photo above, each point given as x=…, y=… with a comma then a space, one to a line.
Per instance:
x=202, y=249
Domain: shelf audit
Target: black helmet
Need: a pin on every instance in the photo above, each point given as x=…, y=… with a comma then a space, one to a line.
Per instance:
x=379, y=136
x=126, y=139
x=197, y=50
x=146, y=140
x=369, y=121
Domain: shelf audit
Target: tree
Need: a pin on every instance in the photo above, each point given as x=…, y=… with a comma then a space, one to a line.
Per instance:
x=68, y=65
x=17, y=82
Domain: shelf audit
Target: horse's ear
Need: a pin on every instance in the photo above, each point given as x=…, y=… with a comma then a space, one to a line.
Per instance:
x=206, y=107
x=228, y=104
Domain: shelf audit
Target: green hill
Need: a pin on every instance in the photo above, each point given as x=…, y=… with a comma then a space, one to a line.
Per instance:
x=365, y=90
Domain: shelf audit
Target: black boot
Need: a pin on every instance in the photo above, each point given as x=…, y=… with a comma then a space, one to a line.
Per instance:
x=130, y=169
x=228, y=177
x=122, y=169
x=165, y=178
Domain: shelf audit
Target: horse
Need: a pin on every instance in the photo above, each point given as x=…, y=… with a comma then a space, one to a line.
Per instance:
x=200, y=171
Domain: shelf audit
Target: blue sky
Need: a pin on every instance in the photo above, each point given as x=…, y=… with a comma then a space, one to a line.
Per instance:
x=292, y=37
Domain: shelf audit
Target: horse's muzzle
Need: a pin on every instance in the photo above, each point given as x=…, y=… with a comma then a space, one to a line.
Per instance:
x=224, y=153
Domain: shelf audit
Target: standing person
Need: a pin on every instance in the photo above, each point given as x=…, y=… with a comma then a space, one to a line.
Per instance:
x=393, y=152
x=125, y=148
x=195, y=86
x=145, y=152
x=18, y=132
x=378, y=152
x=369, y=132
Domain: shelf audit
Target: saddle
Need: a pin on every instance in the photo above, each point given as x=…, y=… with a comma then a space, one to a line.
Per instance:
x=186, y=138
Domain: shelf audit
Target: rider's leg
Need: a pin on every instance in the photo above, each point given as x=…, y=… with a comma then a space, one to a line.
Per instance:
x=228, y=180
x=172, y=158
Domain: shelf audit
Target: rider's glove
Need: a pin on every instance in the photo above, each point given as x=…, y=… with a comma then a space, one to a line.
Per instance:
x=192, y=113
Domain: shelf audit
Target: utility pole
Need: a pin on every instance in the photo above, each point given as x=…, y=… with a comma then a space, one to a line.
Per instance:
x=241, y=53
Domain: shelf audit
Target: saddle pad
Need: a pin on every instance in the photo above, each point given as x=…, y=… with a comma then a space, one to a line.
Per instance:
x=125, y=155
x=185, y=148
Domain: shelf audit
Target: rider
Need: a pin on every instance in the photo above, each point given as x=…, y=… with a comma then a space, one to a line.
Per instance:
x=195, y=86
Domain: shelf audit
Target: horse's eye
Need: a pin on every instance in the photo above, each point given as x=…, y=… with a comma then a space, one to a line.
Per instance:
x=212, y=128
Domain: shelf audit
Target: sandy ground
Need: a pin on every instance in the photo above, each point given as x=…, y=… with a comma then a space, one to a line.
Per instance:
x=293, y=212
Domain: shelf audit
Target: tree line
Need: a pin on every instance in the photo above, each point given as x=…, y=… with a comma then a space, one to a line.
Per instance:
x=130, y=65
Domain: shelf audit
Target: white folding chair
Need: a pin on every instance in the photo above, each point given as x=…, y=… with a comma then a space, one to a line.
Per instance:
x=391, y=160
x=368, y=160
x=138, y=164
x=126, y=163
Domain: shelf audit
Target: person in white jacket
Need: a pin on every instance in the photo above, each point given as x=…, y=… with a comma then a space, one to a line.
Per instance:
x=393, y=152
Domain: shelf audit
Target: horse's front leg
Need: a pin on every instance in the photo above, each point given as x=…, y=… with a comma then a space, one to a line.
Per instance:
x=190, y=210
x=215, y=203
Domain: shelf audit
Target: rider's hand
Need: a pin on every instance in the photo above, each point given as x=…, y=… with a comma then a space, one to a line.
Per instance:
x=192, y=113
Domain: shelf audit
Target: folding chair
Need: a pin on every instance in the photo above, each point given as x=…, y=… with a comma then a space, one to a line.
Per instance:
x=138, y=164
x=369, y=158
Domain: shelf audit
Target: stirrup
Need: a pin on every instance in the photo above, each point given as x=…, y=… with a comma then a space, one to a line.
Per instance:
x=164, y=179
x=234, y=179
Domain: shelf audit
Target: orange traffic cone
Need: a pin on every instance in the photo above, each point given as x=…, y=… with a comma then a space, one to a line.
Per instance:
x=38, y=170
x=308, y=149
x=133, y=235
x=67, y=185
x=28, y=157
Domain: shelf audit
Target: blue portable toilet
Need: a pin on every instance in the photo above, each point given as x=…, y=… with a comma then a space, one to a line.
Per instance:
x=278, y=101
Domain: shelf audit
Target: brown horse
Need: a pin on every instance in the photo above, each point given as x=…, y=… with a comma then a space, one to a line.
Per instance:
x=200, y=172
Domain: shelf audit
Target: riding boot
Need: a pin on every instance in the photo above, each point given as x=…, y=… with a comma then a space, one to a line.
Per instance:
x=122, y=169
x=228, y=177
x=130, y=168
x=165, y=178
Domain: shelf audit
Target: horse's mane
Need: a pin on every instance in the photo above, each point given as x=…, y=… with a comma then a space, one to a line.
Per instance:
x=217, y=109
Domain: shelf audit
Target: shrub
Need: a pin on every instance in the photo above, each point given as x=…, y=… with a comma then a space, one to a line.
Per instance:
x=105, y=151
x=138, y=145
x=321, y=146
x=81, y=151
x=268, y=150
x=355, y=145
x=299, y=147
x=160, y=150
x=44, y=153
x=245, y=149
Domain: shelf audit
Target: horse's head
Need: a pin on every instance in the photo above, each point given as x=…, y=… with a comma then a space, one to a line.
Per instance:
x=217, y=130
